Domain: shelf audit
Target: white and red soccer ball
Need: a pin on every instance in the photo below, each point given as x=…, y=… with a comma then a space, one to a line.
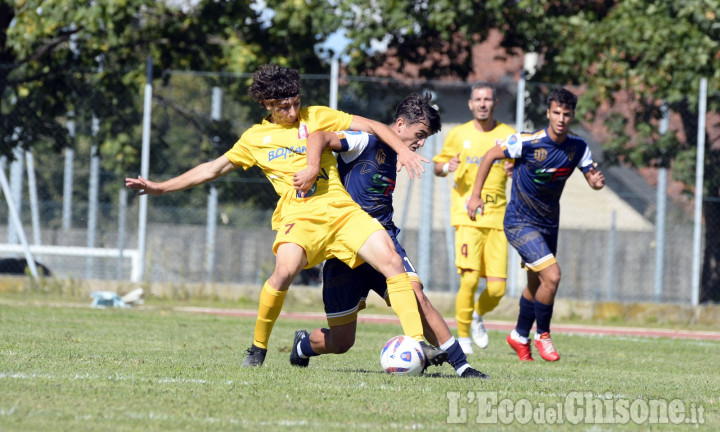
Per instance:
x=402, y=355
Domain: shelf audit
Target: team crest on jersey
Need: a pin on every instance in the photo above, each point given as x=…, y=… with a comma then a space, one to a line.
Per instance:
x=380, y=156
x=540, y=154
x=303, y=131
x=570, y=153
x=512, y=140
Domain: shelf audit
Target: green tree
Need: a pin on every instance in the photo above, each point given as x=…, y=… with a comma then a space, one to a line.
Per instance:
x=89, y=59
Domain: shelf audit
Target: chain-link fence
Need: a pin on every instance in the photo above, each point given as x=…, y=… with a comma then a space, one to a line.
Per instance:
x=625, y=243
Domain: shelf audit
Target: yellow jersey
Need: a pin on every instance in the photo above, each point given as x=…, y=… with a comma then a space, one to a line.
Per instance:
x=471, y=145
x=280, y=151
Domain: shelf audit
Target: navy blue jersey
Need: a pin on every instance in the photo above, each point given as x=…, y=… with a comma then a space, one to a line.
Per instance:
x=368, y=171
x=542, y=167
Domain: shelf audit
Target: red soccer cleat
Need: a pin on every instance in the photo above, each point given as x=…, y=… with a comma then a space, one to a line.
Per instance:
x=522, y=349
x=545, y=347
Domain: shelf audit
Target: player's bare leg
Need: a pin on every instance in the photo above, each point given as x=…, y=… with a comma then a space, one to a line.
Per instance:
x=434, y=326
x=379, y=251
x=289, y=261
x=438, y=333
x=335, y=340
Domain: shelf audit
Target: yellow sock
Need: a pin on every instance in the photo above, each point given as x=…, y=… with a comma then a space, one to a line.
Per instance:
x=271, y=302
x=465, y=300
x=404, y=303
x=490, y=298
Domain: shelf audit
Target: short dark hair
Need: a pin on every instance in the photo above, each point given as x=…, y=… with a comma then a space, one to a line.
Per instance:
x=274, y=82
x=562, y=97
x=417, y=109
x=484, y=84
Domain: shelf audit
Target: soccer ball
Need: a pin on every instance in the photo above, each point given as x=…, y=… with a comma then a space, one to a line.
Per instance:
x=402, y=355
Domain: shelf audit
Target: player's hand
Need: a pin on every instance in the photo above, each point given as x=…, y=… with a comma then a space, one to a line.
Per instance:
x=597, y=179
x=145, y=186
x=454, y=163
x=475, y=206
x=304, y=179
x=412, y=162
x=509, y=166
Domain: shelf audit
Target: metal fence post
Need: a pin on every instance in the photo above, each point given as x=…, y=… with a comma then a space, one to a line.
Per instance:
x=661, y=215
x=68, y=177
x=122, y=217
x=699, y=174
x=612, y=247
x=32, y=190
x=16, y=181
x=425, y=228
x=215, y=114
x=93, y=192
x=144, y=169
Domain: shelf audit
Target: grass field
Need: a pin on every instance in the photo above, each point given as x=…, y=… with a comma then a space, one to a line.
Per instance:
x=65, y=367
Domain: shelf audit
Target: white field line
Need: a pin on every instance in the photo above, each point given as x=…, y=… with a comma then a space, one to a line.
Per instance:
x=112, y=377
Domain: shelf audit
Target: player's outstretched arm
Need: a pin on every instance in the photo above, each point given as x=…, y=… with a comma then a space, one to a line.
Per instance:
x=595, y=178
x=406, y=157
x=316, y=143
x=475, y=204
x=202, y=173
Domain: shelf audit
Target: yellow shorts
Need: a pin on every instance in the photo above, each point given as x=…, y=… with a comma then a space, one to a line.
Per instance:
x=335, y=229
x=481, y=249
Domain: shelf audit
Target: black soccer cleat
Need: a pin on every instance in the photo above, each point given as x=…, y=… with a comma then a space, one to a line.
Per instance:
x=472, y=373
x=295, y=358
x=433, y=356
x=255, y=356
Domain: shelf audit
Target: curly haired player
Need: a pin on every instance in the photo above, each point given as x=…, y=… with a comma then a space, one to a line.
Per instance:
x=323, y=224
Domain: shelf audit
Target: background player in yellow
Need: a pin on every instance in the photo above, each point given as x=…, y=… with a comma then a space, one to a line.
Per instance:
x=322, y=224
x=480, y=245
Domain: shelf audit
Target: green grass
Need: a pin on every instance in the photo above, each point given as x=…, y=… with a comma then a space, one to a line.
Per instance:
x=75, y=368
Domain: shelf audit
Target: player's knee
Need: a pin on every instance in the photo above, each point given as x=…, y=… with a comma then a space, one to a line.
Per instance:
x=394, y=264
x=469, y=280
x=496, y=289
x=283, y=276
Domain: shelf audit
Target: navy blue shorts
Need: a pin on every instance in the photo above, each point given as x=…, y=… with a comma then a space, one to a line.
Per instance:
x=537, y=249
x=345, y=289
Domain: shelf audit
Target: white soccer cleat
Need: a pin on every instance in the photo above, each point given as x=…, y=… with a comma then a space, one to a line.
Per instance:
x=479, y=334
x=466, y=345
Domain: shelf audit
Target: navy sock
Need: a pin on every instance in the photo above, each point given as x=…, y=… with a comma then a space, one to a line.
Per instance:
x=543, y=315
x=306, y=348
x=456, y=356
x=526, y=317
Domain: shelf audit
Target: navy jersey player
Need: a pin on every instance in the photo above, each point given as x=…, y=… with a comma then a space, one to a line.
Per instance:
x=543, y=162
x=367, y=168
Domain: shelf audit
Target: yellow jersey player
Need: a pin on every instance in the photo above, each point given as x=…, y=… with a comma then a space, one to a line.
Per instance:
x=480, y=245
x=313, y=227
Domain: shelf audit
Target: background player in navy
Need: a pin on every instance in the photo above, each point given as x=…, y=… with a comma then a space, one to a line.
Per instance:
x=543, y=162
x=368, y=170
